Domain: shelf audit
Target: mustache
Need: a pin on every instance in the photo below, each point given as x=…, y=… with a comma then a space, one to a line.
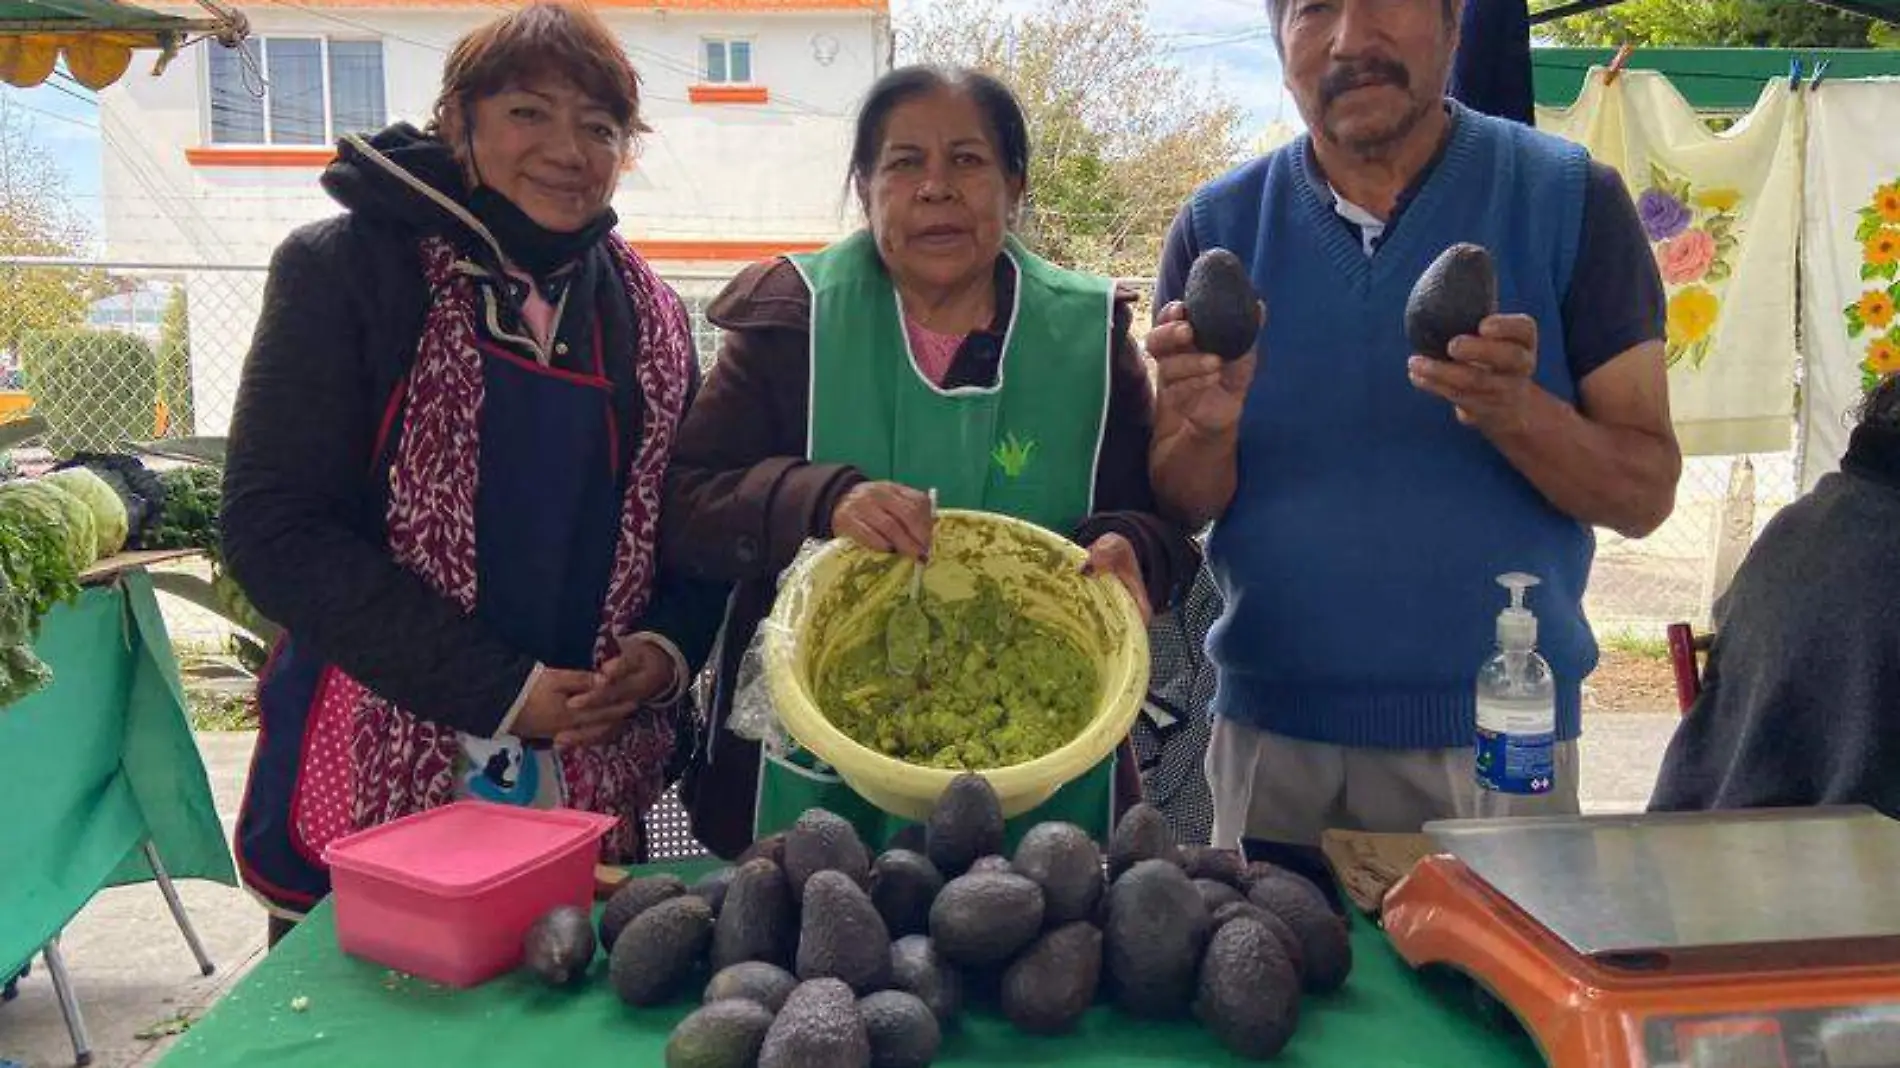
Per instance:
x=1349, y=76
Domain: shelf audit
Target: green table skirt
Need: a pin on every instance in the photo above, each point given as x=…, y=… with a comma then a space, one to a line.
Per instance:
x=357, y=1013
x=97, y=764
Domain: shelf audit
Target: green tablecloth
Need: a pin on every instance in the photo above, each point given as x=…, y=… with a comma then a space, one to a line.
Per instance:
x=360, y=1015
x=96, y=763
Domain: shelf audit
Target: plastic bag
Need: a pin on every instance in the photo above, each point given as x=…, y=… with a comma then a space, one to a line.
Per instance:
x=753, y=716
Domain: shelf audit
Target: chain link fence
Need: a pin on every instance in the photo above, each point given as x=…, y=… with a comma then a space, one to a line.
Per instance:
x=111, y=353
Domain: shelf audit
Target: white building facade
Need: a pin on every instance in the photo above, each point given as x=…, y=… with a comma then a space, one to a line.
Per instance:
x=209, y=166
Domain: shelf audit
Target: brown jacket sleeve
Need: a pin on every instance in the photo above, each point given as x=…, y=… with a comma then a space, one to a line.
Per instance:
x=1124, y=497
x=741, y=497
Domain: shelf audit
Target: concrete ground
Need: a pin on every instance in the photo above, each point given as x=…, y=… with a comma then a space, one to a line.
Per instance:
x=137, y=984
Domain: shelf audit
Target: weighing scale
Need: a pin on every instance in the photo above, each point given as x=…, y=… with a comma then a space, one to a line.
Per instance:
x=1753, y=939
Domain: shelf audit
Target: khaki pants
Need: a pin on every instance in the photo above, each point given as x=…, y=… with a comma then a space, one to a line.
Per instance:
x=1278, y=789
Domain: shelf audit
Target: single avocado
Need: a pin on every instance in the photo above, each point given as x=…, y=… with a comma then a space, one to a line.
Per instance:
x=1141, y=834
x=903, y=1031
x=910, y=837
x=559, y=946
x=771, y=847
x=660, y=950
x=1257, y=870
x=903, y=884
x=1207, y=862
x=819, y=1027
x=719, y=1034
x=634, y=897
x=1049, y=987
x=1242, y=909
x=917, y=969
x=752, y=980
x=1063, y=860
x=994, y=864
x=759, y=920
x=1157, y=930
x=824, y=841
x=1454, y=295
x=841, y=936
x=1222, y=307
x=1216, y=894
x=1289, y=942
x=1248, y=994
x=1325, y=949
x=982, y=920
x=712, y=888
x=965, y=824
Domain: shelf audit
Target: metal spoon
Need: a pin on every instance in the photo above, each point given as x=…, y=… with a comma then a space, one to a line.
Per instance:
x=907, y=631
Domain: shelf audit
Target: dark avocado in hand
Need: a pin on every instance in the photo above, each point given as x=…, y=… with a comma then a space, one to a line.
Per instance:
x=1454, y=295
x=1221, y=304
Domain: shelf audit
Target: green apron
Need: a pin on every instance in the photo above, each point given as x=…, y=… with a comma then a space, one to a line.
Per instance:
x=1026, y=447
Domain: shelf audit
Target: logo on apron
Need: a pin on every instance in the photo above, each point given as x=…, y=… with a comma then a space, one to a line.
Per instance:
x=1013, y=455
x=501, y=770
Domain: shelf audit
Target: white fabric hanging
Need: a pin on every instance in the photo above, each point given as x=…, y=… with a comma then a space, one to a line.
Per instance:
x=1722, y=213
x=1850, y=275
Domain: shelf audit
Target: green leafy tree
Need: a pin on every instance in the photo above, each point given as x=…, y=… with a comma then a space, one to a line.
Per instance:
x=98, y=389
x=37, y=220
x=1719, y=23
x=1120, y=135
x=174, y=366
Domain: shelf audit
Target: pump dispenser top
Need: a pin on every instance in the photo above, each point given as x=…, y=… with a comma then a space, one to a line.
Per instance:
x=1517, y=627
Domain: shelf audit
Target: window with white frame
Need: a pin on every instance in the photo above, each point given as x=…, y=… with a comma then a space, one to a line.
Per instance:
x=725, y=61
x=314, y=90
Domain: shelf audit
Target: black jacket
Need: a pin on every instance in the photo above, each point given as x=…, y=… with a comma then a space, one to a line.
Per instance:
x=304, y=499
x=1800, y=702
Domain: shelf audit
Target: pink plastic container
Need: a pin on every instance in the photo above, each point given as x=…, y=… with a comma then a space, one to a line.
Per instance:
x=449, y=893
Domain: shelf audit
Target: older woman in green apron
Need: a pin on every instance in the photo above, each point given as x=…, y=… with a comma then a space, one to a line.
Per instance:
x=930, y=350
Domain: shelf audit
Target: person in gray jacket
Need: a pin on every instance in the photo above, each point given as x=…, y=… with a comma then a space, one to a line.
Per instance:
x=1800, y=702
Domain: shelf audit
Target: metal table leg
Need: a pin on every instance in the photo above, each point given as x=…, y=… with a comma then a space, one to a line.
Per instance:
x=205, y=967
x=68, y=1004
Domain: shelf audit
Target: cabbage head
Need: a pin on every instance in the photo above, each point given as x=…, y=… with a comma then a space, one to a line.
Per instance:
x=108, y=508
x=50, y=505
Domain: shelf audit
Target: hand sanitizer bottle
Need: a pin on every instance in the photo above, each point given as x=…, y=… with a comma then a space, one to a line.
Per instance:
x=1517, y=710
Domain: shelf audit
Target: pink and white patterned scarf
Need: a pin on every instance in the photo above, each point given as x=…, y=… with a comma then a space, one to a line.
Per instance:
x=397, y=763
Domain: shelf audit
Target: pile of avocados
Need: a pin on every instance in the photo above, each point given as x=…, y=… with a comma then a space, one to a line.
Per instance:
x=810, y=953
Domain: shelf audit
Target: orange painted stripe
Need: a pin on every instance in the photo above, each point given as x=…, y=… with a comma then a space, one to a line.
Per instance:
x=729, y=251
x=259, y=157
x=728, y=94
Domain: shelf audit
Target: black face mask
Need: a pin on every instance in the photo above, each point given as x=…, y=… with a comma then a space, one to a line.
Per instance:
x=529, y=245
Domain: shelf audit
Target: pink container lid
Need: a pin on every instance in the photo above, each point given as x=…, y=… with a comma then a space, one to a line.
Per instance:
x=464, y=848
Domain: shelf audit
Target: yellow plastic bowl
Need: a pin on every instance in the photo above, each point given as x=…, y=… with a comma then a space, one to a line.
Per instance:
x=829, y=602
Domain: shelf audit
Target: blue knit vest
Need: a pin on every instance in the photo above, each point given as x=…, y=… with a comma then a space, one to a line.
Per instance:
x=1360, y=554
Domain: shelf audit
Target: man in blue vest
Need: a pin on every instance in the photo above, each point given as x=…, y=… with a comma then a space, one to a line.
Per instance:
x=1365, y=498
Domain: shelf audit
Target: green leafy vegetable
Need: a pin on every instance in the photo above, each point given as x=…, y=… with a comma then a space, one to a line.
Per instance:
x=108, y=509
x=190, y=516
x=37, y=571
x=138, y=487
x=21, y=674
x=66, y=521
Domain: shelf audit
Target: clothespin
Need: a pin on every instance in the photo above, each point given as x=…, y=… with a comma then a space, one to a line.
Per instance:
x=1794, y=73
x=1820, y=71
x=1616, y=65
